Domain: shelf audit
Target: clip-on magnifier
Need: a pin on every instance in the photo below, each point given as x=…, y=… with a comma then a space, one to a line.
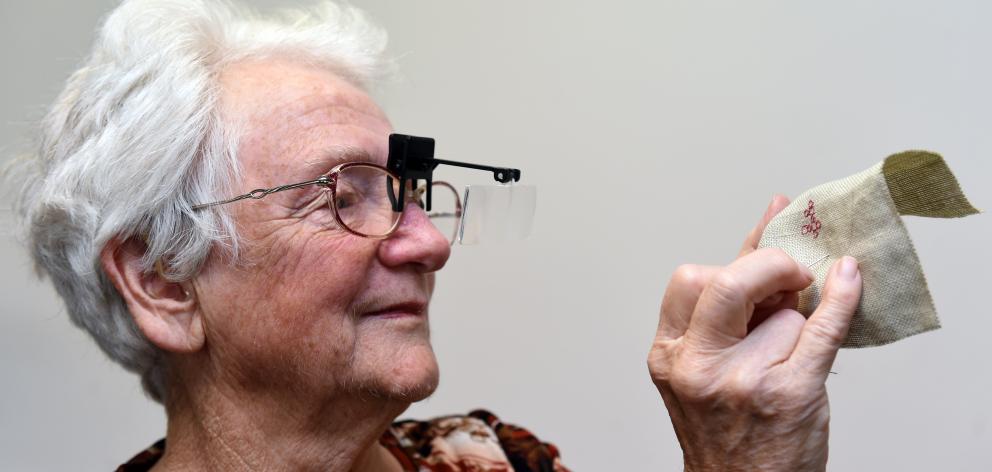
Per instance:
x=490, y=212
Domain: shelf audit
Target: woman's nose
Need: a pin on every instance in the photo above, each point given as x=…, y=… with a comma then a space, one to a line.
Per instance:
x=416, y=241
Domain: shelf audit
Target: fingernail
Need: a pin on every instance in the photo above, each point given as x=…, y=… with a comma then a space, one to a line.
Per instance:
x=807, y=272
x=848, y=268
x=772, y=300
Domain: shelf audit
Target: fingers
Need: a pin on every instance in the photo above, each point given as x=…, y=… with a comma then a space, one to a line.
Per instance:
x=680, y=299
x=751, y=241
x=775, y=339
x=826, y=328
x=772, y=305
x=727, y=303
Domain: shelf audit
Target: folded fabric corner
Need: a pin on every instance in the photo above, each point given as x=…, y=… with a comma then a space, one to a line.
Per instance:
x=921, y=184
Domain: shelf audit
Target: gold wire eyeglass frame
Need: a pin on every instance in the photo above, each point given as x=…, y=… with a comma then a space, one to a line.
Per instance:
x=329, y=182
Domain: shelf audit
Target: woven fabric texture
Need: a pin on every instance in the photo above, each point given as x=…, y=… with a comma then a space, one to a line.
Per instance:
x=860, y=216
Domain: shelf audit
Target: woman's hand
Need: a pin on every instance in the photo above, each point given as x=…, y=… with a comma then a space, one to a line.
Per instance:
x=742, y=373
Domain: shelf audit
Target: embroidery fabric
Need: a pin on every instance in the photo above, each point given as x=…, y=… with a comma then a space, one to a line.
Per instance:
x=860, y=216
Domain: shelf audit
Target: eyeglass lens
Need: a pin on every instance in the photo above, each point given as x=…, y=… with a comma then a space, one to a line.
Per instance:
x=363, y=202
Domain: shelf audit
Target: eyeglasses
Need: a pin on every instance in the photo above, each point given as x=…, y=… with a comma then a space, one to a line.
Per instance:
x=360, y=198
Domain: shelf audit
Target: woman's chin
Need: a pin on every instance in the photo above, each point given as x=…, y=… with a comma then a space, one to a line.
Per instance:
x=414, y=391
x=416, y=377
x=409, y=375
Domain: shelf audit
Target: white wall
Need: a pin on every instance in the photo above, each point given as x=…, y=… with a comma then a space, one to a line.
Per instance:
x=657, y=132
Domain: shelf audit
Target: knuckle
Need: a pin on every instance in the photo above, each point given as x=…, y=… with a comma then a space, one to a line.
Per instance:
x=825, y=332
x=691, y=388
x=727, y=287
x=688, y=276
x=691, y=384
x=660, y=376
x=741, y=387
x=660, y=363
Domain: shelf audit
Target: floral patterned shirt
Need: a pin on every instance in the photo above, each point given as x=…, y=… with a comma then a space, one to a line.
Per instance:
x=475, y=442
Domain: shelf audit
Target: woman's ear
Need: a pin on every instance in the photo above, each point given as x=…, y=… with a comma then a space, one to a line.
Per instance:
x=165, y=311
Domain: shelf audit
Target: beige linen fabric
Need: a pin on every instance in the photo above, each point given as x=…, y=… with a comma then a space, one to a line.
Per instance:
x=860, y=216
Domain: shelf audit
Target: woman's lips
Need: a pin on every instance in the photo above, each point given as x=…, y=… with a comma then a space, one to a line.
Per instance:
x=399, y=310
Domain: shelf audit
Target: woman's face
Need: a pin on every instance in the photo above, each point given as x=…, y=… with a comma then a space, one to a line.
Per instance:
x=312, y=309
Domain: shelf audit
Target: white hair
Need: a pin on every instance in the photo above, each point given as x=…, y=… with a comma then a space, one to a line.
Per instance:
x=135, y=140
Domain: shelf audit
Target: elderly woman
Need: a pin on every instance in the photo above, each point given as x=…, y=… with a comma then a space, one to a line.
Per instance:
x=289, y=332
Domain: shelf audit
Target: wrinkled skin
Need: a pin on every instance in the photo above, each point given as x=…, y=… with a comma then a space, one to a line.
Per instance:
x=281, y=360
x=741, y=372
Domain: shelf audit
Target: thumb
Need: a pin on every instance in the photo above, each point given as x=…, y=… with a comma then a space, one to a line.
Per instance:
x=826, y=329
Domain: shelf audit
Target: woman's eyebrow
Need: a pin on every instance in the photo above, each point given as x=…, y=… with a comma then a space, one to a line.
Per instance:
x=325, y=161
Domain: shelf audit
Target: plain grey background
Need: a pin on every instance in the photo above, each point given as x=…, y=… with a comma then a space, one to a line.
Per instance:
x=657, y=132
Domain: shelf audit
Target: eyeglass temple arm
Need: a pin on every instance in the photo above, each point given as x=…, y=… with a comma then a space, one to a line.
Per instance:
x=502, y=175
x=260, y=193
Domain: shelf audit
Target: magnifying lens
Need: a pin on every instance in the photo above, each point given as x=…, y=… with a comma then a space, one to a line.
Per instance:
x=481, y=214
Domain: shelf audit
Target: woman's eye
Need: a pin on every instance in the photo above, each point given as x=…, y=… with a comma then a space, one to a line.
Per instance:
x=345, y=199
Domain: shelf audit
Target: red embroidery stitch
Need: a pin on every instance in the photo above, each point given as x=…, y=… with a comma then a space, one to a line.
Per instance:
x=813, y=227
